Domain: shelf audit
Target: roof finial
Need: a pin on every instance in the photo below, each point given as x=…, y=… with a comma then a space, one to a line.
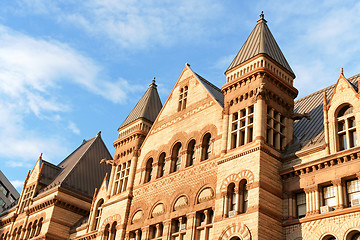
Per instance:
x=153, y=83
x=342, y=71
x=262, y=19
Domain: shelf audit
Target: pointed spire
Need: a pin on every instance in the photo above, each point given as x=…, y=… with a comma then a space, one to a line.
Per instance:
x=342, y=71
x=148, y=106
x=260, y=41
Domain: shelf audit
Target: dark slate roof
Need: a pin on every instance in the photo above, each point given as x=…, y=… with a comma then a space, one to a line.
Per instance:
x=260, y=41
x=73, y=171
x=148, y=106
x=310, y=133
x=213, y=90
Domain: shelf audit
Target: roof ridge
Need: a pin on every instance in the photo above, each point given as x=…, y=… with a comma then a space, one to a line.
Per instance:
x=207, y=81
x=80, y=157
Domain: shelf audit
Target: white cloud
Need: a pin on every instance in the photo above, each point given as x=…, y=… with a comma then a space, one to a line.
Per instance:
x=134, y=24
x=72, y=126
x=32, y=73
x=17, y=184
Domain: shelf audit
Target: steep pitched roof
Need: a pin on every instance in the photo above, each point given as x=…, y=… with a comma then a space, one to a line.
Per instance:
x=148, y=106
x=260, y=41
x=73, y=171
x=310, y=133
x=213, y=90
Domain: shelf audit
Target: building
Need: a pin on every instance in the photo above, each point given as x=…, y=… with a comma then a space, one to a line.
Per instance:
x=56, y=197
x=8, y=194
x=242, y=162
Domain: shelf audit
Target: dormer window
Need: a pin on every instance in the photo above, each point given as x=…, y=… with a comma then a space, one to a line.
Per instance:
x=182, y=98
x=346, y=128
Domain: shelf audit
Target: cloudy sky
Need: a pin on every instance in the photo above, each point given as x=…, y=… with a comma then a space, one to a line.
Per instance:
x=71, y=68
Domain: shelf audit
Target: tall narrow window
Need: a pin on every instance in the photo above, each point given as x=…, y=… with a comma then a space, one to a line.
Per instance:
x=231, y=196
x=190, y=153
x=161, y=166
x=244, y=199
x=176, y=158
x=242, y=127
x=39, y=226
x=28, y=231
x=28, y=194
x=121, y=177
x=301, y=204
x=329, y=196
x=353, y=192
x=113, y=231
x=148, y=170
x=182, y=98
x=346, y=128
x=206, y=147
x=98, y=212
x=178, y=228
x=204, y=224
x=275, y=131
x=107, y=232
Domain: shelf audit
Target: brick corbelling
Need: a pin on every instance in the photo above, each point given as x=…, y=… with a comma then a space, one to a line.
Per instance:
x=325, y=162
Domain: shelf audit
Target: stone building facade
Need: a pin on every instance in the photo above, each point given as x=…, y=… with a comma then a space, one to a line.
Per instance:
x=245, y=161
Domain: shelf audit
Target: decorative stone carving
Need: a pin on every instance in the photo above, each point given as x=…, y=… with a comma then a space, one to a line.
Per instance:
x=158, y=210
x=137, y=216
x=205, y=195
x=181, y=202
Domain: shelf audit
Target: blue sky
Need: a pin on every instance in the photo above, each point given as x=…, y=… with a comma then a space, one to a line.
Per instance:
x=71, y=68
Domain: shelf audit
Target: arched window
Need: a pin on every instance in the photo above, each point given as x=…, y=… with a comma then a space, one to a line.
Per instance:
x=353, y=235
x=39, y=226
x=28, y=230
x=18, y=233
x=329, y=237
x=98, y=212
x=33, y=229
x=106, y=232
x=243, y=196
x=231, y=196
x=148, y=170
x=161, y=166
x=176, y=158
x=346, y=128
x=235, y=238
x=113, y=231
x=206, y=147
x=191, y=153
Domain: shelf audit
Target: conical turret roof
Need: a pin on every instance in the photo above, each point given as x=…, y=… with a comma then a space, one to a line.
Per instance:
x=148, y=106
x=260, y=41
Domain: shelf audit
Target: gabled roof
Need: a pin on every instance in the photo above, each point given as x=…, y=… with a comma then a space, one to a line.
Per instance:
x=148, y=106
x=212, y=89
x=73, y=171
x=260, y=41
x=310, y=133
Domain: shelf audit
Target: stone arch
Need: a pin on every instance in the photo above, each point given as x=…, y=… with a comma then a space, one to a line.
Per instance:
x=181, y=201
x=210, y=128
x=178, y=137
x=111, y=219
x=350, y=232
x=157, y=209
x=236, y=178
x=137, y=215
x=149, y=155
x=235, y=229
x=323, y=230
x=201, y=191
x=350, y=225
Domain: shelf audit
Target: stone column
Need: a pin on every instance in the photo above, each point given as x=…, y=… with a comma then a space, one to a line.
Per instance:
x=154, y=173
x=112, y=177
x=158, y=229
x=337, y=183
x=183, y=155
x=137, y=234
x=145, y=233
x=133, y=168
x=291, y=206
x=237, y=198
x=308, y=202
x=260, y=113
x=317, y=200
x=167, y=165
x=191, y=225
x=225, y=204
x=167, y=230
x=225, y=133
